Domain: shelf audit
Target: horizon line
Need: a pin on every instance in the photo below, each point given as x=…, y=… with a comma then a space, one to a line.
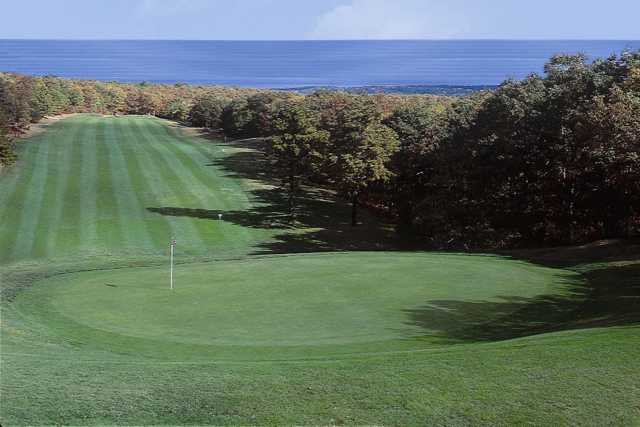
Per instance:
x=325, y=40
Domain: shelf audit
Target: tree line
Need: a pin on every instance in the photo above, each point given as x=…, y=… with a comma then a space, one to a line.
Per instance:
x=551, y=159
x=25, y=100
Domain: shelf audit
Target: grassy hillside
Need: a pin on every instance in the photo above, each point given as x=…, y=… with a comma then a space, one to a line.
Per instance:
x=252, y=334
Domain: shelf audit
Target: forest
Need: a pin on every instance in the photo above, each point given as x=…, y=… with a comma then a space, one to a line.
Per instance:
x=551, y=159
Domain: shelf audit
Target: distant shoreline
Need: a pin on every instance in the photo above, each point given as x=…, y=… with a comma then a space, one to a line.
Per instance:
x=444, y=40
x=446, y=90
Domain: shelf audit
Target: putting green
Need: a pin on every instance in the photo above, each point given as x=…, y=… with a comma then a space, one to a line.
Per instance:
x=284, y=306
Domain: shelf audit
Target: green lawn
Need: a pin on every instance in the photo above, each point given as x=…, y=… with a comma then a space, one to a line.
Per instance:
x=253, y=334
x=293, y=307
x=91, y=186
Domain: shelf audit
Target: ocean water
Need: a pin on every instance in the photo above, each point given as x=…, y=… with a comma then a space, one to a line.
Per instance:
x=290, y=64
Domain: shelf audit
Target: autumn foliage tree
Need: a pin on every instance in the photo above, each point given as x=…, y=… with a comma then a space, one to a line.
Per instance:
x=207, y=110
x=359, y=149
x=7, y=155
x=296, y=145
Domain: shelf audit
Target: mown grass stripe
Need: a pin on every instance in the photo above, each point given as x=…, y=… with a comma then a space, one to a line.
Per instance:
x=29, y=210
x=209, y=150
x=178, y=191
x=13, y=188
x=229, y=194
x=108, y=226
x=131, y=236
x=136, y=227
x=10, y=178
x=194, y=162
x=158, y=226
x=68, y=224
x=168, y=155
x=88, y=193
x=51, y=201
x=202, y=188
x=234, y=194
x=58, y=165
x=217, y=192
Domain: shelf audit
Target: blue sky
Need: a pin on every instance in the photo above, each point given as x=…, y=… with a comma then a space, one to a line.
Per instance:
x=321, y=19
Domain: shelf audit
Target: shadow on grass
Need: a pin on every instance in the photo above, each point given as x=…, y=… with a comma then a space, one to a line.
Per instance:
x=607, y=296
x=321, y=221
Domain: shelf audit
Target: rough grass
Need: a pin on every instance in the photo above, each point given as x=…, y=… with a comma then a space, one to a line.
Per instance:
x=89, y=336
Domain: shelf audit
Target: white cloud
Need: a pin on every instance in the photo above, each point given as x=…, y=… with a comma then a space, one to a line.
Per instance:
x=510, y=19
x=384, y=19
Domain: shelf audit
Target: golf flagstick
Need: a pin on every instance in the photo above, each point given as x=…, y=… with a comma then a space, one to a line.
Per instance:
x=172, y=245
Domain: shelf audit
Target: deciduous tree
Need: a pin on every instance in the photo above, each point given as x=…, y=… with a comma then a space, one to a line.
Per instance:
x=295, y=146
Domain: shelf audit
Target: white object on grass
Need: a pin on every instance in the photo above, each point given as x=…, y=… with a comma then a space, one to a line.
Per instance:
x=173, y=245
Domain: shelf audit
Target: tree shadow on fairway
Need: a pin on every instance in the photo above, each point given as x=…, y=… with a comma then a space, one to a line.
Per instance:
x=321, y=221
x=574, y=257
x=607, y=296
x=316, y=226
x=601, y=295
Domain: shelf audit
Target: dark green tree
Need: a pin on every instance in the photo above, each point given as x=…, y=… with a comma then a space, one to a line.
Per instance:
x=296, y=146
x=237, y=118
x=7, y=155
x=207, y=111
x=177, y=110
x=421, y=128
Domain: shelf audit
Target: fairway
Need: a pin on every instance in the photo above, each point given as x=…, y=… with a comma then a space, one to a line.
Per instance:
x=269, y=323
x=91, y=186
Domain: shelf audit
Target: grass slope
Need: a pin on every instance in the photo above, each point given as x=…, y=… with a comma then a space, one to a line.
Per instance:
x=88, y=187
x=91, y=335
